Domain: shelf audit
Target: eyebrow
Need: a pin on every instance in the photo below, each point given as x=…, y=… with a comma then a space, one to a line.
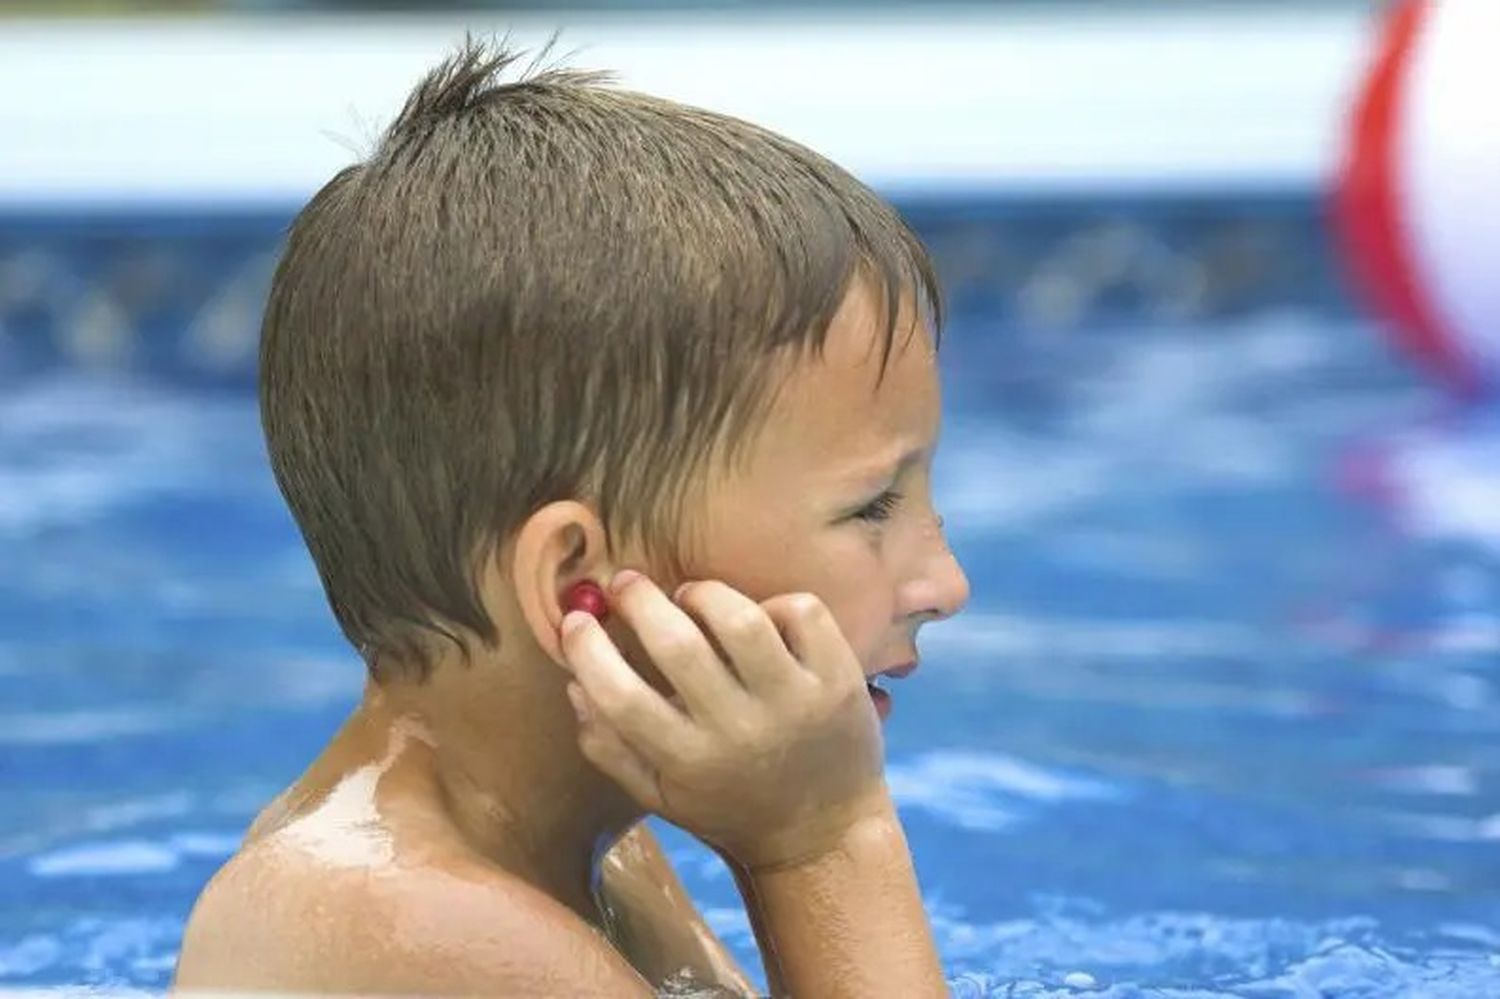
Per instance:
x=878, y=471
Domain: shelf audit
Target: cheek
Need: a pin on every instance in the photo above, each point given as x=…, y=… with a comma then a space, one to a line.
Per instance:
x=864, y=615
x=844, y=566
x=856, y=585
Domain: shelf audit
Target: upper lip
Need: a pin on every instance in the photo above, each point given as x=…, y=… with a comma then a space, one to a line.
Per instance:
x=899, y=672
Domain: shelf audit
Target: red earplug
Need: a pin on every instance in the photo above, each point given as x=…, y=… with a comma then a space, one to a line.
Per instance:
x=586, y=596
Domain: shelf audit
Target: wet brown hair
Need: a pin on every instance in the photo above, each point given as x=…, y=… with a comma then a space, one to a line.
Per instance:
x=537, y=290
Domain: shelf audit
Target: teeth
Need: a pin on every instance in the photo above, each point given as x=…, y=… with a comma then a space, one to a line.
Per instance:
x=876, y=682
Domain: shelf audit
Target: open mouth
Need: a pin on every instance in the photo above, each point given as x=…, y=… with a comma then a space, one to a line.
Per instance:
x=880, y=696
x=880, y=692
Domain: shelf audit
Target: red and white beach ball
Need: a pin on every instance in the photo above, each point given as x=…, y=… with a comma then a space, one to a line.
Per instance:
x=1417, y=206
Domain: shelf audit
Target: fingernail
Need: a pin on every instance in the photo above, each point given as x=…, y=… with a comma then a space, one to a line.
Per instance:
x=580, y=706
x=677, y=593
x=572, y=621
x=622, y=579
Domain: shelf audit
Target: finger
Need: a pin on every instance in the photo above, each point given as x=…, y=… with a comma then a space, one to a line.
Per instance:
x=814, y=638
x=617, y=693
x=603, y=746
x=681, y=651
x=746, y=633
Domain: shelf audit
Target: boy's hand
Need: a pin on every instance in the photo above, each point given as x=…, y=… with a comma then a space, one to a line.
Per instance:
x=772, y=755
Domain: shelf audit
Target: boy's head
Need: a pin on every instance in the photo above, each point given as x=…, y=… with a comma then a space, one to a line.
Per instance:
x=550, y=290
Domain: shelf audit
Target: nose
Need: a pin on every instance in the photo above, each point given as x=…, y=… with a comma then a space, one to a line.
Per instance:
x=952, y=585
x=942, y=587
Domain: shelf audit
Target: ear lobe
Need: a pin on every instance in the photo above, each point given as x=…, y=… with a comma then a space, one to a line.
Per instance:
x=558, y=547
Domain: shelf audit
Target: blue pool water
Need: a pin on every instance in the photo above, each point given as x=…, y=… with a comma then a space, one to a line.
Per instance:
x=1221, y=718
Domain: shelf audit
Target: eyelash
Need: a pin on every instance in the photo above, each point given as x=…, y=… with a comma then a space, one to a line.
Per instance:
x=880, y=507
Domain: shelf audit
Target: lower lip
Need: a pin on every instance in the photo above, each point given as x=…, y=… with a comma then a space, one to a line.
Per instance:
x=882, y=701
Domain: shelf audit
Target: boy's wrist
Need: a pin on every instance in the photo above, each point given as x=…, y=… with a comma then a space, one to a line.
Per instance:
x=850, y=837
x=868, y=837
x=850, y=920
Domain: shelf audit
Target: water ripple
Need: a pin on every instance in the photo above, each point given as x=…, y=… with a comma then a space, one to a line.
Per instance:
x=985, y=791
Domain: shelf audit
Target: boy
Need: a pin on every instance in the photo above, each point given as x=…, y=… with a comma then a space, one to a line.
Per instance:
x=549, y=331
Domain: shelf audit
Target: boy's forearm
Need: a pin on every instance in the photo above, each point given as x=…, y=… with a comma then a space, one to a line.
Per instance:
x=660, y=928
x=850, y=923
x=768, y=959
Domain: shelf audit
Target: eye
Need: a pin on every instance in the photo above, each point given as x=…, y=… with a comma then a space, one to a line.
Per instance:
x=880, y=507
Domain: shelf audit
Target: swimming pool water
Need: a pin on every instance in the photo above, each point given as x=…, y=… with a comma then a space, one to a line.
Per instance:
x=1217, y=721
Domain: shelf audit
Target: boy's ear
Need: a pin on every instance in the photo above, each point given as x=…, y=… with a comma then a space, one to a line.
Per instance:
x=558, y=545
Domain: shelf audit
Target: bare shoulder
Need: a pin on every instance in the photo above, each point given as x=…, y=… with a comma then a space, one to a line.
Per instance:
x=291, y=920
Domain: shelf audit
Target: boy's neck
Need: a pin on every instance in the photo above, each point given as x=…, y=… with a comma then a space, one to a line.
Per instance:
x=498, y=761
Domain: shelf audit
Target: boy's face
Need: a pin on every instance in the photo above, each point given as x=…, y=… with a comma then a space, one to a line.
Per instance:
x=832, y=446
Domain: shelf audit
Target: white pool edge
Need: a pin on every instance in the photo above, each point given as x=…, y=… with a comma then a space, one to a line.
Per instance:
x=263, y=111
